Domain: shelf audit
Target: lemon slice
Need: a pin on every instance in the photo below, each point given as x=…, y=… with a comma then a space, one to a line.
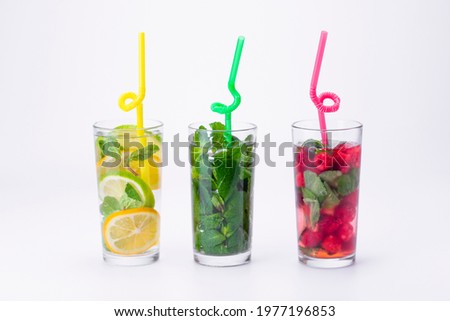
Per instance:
x=131, y=231
x=152, y=173
x=114, y=184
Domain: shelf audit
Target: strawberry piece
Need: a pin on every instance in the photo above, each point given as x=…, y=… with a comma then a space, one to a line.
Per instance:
x=329, y=224
x=332, y=244
x=345, y=232
x=345, y=213
x=311, y=238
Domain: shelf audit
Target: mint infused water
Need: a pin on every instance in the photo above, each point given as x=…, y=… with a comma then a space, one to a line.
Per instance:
x=222, y=172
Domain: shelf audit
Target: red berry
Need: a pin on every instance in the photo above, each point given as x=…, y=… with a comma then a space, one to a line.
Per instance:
x=311, y=238
x=332, y=244
x=300, y=180
x=345, y=213
x=351, y=199
x=345, y=232
x=350, y=245
x=329, y=224
x=322, y=162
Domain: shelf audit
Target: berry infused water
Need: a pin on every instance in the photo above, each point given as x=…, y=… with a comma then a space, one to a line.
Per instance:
x=327, y=188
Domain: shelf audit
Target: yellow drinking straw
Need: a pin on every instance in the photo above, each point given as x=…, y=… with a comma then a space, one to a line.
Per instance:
x=135, y=100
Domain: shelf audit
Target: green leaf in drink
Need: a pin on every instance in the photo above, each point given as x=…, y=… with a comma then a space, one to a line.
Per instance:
x=315, y=185
x=314, y=211
x=211, y=222
x=109, y=206
x=331, y=177
x=347, y=183
x=132, y=193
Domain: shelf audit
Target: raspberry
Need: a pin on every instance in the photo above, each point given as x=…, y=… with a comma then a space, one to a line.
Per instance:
x=351, y=199
x=329, y=224
x=345, y=213
x=322, y=162
x=310, y=238
x=350, y=245
x=332, y=244
x=345, y=232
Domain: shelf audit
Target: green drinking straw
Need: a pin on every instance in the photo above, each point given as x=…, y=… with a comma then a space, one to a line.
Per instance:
x=221, y=108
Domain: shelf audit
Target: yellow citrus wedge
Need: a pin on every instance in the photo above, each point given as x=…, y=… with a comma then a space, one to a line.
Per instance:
x=153, y=172
x=131, y=231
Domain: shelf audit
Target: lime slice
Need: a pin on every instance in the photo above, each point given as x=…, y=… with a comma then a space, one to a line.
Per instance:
x=114, y=184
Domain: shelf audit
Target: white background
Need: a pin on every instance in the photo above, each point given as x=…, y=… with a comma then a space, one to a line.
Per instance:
x=63, y=65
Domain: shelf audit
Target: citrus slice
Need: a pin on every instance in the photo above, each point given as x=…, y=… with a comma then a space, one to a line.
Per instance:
x=131, y=231
x=152, y=171
x=115, y=183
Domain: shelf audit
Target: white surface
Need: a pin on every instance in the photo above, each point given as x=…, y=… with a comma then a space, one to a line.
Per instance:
x=64, y=64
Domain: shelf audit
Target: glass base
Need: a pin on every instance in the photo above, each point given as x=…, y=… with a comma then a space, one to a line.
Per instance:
x=327, y=263
x=223, y=261
x=132, y=260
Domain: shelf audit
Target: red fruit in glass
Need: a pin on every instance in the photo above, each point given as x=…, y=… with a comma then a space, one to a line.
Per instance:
x=299, y=180
x=345, y=212
x=345, y=232
x=332, y=244
x=349, y=246
x=329, y=224
x=351, y=199
x=310, y=238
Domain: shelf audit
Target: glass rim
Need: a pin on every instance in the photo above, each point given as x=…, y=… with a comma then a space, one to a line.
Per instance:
x=101, y=125
x=300, y=124
x=246, y=126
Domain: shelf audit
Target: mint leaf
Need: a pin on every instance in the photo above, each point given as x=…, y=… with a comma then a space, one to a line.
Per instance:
x=306, y=193
x=202, y=204
x=226, y=174
x=143, y=153
x=210, y=222
x=218, y=202
x=127, y=202
x=211, y=238
x=234, y=211
x=314, y=211
x=331, y=177
x=315, y=185
x=312, y=143
x=217, y=126
x=132, y=193
x=347, y=183
x=332, y=200
x=218, y=138
x=201, y=137
x=109, y=206
x=236, y=240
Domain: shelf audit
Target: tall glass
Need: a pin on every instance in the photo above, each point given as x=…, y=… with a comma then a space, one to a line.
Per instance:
x=222, y=174
x=128, y=162
x=327, y=189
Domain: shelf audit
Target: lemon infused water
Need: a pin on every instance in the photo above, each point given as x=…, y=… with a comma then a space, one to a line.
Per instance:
x=128, y=165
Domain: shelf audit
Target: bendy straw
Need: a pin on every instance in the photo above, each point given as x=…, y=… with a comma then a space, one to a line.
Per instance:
x=227, y=110
x=319, y=100
x=135, y=100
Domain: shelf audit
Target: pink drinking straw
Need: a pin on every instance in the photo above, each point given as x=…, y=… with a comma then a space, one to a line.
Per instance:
x=318, y=100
